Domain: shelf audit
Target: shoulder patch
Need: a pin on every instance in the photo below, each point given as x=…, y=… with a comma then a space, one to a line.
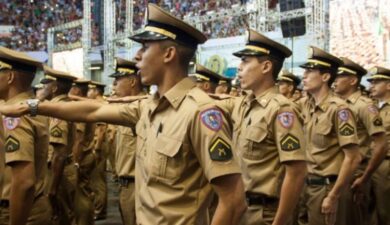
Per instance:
x=373, y=109
x=290, y=143
x=286, y=119
x=11, y=144
x=56, y=132
x=11, y=123
x=343, y=115
x=378, y=121
x=212, y=118
x=347, y=130
x=56, y=121
x=220, y=150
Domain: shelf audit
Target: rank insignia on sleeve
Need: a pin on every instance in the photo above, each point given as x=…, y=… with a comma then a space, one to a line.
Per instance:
x=11, y=144
x=343, y=115
x=11, y=123
x=373, y=109
x=286, y=119
x=220, y=150
x=378, y=121
x=212, y=119
x=290, y=143
x=56, y=132
x=347, y=130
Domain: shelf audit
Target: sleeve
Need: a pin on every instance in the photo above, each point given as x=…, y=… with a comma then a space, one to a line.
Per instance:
x=345, y=125
x=131, y=112
x=19, y=140
x=289, y=137
x=59, y=131
x=369, y=114
x=211, y=139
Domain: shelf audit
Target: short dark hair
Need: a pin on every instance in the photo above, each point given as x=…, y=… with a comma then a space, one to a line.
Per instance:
x=83, y=88
x=63, y=86
x=277, y=65
x=186, y=54
x=332, y=72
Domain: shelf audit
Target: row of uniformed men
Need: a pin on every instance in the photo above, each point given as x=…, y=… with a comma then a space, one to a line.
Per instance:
x=257, y=153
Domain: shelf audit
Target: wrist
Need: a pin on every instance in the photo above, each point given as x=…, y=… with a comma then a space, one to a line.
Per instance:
x=333, y=197
x=32, y=106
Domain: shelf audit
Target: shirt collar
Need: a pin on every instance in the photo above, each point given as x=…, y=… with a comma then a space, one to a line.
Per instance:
x=264, y=98
x=177, y=93
x=354, y=97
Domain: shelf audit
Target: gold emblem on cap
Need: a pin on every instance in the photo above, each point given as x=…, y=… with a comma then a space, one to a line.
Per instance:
x=161, y=31
x=125, y=70
x=115, y=63
x=4, y=65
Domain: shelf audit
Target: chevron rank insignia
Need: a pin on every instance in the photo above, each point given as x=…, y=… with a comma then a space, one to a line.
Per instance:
x=11, y=144
x=347, y=130
x=220, y=150
x=378, y=121
x=290, y=143
x=56, y=132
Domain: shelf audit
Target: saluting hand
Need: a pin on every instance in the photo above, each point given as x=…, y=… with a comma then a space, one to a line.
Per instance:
x=14, y=110
x=329, y=208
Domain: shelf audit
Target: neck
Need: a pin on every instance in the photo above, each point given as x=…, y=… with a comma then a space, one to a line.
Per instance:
x=320, y=94
x=12, y=92
x=263, y=86
x=385, y=97
x=348, y=93
x=171, y=78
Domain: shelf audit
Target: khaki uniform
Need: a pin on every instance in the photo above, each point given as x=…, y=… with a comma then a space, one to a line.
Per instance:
x=125, y=166
x=62, y=133
x=183, y=143
x=381, y=177
x=111, y=148
x=84, y=208
x=27, y=139
x=267, y=132
x=328, y=127
x=368, y=123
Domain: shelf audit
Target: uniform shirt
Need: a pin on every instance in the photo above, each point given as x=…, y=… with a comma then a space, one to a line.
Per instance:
x=329, y=126
x=368, y=120
x=27, y=140
x=183, y=143
x=125, y=151
x=87, y=132
x=61, y=132
x=267, y=132
x=2, y=155
x=384, y=108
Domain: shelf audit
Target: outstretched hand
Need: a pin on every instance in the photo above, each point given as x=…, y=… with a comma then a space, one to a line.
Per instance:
x=14, y=110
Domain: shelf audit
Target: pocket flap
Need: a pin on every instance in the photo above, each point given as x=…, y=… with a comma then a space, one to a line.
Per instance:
x=167, y=146
x=323, y=128
x=256, y=133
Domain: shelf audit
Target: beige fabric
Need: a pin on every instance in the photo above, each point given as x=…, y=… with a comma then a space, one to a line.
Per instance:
x=174, y=159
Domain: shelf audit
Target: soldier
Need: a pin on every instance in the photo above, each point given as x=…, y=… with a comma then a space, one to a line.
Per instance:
x=85, y=161
x=126, y=83
x=62, y=186
x=380, y=90
x=224, y=86
x=268, y=134
x=332, y=145
x=235, y=89
x=26, y=144
x=288, y=83
x=206, y=79
x=370, y=131
x=98, y=177
x=39, y=92
x=183, y=139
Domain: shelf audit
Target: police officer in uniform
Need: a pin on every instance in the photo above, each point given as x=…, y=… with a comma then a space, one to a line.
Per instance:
x=288, y=83
x=206, y=79
x=268, y=134
x=62, y=134
x=26, y=143
x=370, y=131
x=126, y=83
x=224, y=86
x=183, y=139
x=332, y=146
x=380, y=90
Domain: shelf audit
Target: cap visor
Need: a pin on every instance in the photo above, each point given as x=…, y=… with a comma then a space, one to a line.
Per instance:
x=45, y=81
x=148, y=36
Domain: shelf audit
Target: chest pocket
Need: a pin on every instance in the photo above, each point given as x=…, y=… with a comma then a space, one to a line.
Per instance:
x=322, y=135
x=166, y=160
x=255, y=141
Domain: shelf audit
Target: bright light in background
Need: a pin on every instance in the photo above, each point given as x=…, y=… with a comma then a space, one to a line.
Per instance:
x=69, y=61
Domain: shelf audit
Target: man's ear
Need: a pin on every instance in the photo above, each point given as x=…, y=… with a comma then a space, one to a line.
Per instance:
x=169, y=54
x=354, y=81
x=206, y=85
x=11, y=77
x=326, y=77
x=267, y=66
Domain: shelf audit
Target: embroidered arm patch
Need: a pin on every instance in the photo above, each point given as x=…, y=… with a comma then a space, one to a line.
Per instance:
x=212, y=119
x=290, y=143
x=220, y=150
x=347, y=130
x=11, y=144
x=56, y=132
